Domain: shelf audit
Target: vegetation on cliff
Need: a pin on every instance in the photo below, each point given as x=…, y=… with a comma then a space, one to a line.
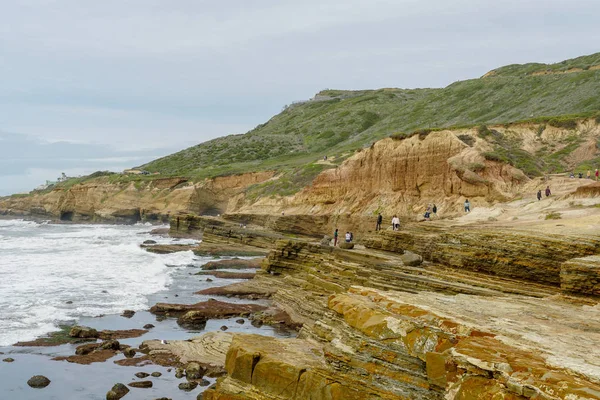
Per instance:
x=337, y=122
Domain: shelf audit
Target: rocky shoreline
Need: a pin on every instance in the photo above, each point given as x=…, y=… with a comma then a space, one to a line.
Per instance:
x=141, y=346
x=423, y=313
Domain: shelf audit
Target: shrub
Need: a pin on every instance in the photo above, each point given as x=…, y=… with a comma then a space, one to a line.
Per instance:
x=467, y=139
x=475, y=167
x=566, y=123
x=540, y=130
x=553, y=215
x=493, y=156
x=483, y=131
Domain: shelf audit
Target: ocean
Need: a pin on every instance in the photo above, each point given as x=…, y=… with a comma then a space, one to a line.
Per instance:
x=56, y=273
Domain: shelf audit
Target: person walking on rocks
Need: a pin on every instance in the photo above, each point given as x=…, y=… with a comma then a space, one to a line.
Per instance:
x=548, y=193
x=539, y=194
x=396, y=223
x=589, y=174
x=379, y=221
x=467, y=206
x=434, y=210
x=348, y=237
x=335, y=237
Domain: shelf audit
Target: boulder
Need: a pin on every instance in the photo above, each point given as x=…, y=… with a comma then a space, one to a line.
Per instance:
x=9, y=360
x=194, y=371
x=224, y=328
x=83, y=332
x=38, y=381
x=346, y=245
x=188, y=386
x=127, y=313
x=141, y=375
x=149, y=241
x=148, y=326
x=411, y=259
x=141, y=384
x=156, y=374
x=179, y=373
x=240, y=321
x=118, y=390
x=110, y=345
x=129, y=352
x=326, y=240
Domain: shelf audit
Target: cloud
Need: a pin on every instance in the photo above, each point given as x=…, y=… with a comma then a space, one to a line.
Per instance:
x=149, y=74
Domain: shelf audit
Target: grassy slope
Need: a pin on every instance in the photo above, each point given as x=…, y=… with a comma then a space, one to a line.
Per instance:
x=343, y=121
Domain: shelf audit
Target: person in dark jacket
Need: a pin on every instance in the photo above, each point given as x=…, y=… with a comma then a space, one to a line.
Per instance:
x=548, y=193
x=434, y=209
x=379, y=221
x=539, y=194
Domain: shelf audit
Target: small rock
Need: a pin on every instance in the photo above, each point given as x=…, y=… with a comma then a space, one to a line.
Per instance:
x=9, y=359
x=141, y=375
x=156, y=374
x=224, y=328
x=148, y=326
x=204, y=382
x=141, y=384
x=104, y=291
x=194, y=371
x=38, y=381
x=257, y=323
x=179, y=372
x=68, y=302
x=128, y=313
x=163, y=398
x=149, y=241
x=208, y=280
x=411, y=259
x=169, y=370
x=188, y=386
x=83, y=332
x=110, y=345
x=240, y=321
x=119, y=390
x=129, y=352
x=176, y=295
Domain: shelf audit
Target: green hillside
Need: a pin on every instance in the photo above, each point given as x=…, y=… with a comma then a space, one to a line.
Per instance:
x=337, y=122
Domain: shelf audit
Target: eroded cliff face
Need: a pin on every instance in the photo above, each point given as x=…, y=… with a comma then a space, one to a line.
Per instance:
x=153, y=200
x=396, y=176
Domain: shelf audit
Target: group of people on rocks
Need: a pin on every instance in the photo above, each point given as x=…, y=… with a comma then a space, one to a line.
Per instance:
x=349, y=237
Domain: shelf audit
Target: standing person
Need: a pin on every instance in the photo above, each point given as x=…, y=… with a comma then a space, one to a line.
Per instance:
x=351, y=236
x=435, y=209
x=348, y=237
x=467, y=206
x=596, y=173
x=379, y=221
x=589, y=174
x=395, y=223
x=548, y=191
x=539, y=194
x=335, y=237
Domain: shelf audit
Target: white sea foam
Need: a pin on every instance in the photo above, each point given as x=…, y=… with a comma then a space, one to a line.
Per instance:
x=100, y=268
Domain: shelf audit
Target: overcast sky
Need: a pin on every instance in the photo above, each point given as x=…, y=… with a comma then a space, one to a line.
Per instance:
x=93, y=85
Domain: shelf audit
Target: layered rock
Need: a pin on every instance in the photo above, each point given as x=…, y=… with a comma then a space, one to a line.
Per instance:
x=581, y=276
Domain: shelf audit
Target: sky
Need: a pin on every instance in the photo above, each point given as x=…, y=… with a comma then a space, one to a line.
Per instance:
x=106, y=85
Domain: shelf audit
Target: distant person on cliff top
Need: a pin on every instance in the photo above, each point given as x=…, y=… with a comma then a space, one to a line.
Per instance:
x=379, y=221
x=348, y=237
x=434, y=209
x=548, y=193
x=396, y=223
x=335, y=237
x=539, y=194
x=467, y=206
